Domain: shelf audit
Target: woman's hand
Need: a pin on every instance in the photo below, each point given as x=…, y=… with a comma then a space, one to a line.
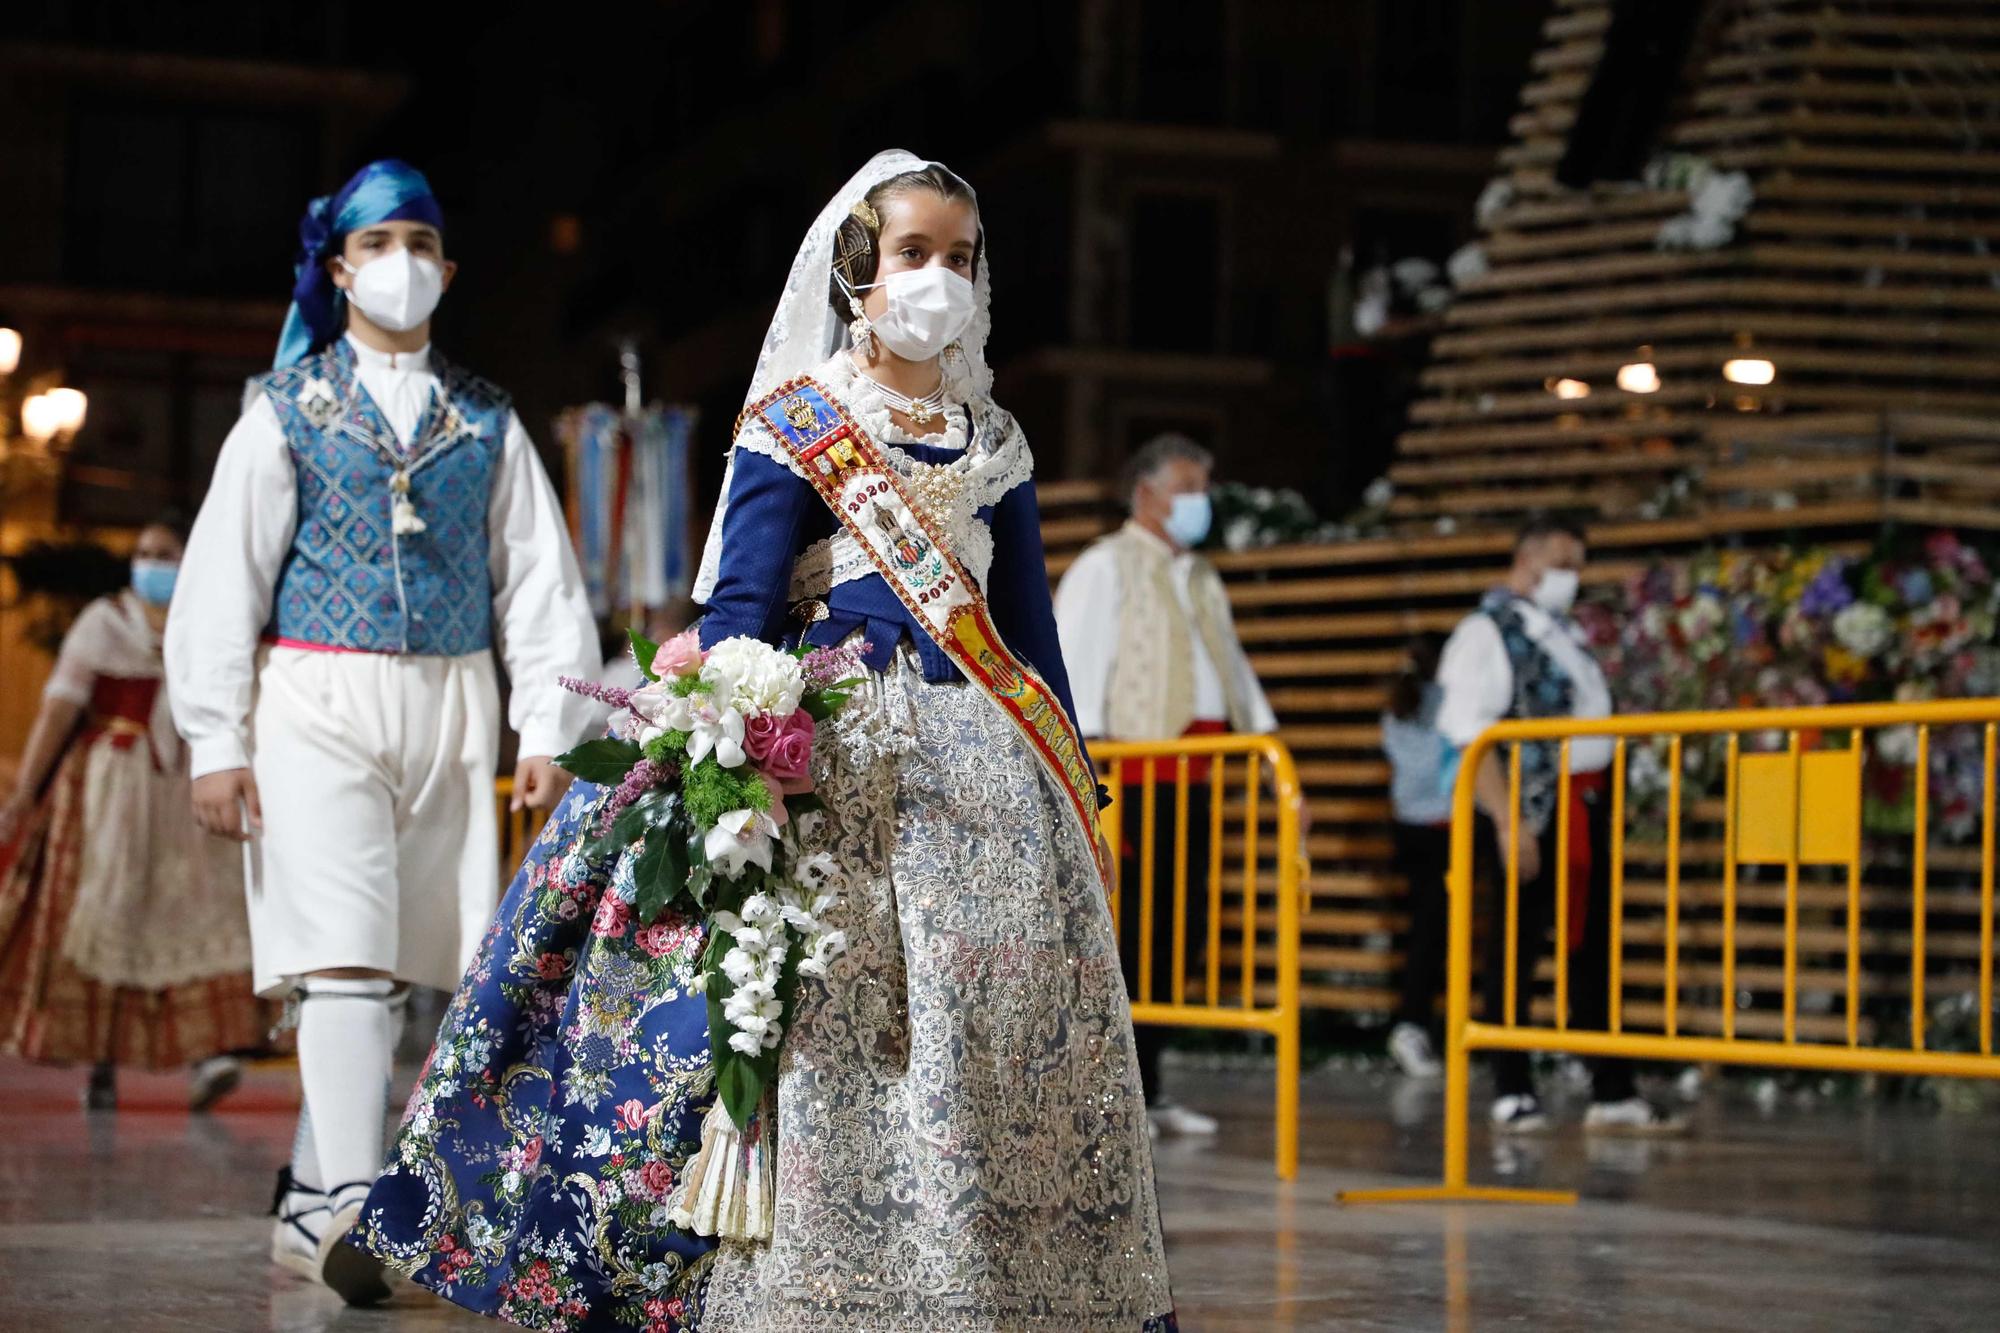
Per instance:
x=538, y=784
x=222, y=800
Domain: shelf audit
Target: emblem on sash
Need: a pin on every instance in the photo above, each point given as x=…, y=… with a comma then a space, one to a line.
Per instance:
x=873, y=502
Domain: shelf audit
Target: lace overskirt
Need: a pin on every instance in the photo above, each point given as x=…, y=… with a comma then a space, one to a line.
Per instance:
x=961, y=1140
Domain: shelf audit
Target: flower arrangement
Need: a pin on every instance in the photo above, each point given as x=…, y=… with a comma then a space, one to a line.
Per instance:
x=1792, y=627
x=711, y=801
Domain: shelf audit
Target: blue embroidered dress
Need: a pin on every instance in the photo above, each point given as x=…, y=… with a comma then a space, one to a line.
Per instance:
x=960, y=1138
x=564, y=1094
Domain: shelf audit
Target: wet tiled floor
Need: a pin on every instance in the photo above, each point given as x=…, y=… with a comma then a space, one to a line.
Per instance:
x=1841, y=1214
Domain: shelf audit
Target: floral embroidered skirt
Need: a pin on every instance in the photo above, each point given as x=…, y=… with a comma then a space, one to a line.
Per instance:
x=565, y=1091
x=50, y=1009
x=960, y=1137
x=960, y=1142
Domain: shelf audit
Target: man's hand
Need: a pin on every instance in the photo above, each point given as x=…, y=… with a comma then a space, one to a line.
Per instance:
x=538, y=784
x=222, y=800
x=1531, y=857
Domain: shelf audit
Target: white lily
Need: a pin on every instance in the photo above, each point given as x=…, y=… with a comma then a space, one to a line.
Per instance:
x=745, y=1042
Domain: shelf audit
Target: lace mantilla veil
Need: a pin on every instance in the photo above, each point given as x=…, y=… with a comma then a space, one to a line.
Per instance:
x=805, y=330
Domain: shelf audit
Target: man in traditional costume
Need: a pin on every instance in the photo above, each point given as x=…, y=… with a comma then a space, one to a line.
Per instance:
x=1153, y=655
x=377, y=528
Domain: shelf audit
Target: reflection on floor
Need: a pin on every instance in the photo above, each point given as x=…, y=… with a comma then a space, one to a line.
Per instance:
x=1841, y=1215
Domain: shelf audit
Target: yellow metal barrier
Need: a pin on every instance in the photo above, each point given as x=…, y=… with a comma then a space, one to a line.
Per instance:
x=1792, y=808
x=1259, y=761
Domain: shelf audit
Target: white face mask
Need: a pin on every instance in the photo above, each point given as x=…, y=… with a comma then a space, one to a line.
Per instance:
x=1555, y=591
x=1187, y=522
x=928, y=308
x=398, y=291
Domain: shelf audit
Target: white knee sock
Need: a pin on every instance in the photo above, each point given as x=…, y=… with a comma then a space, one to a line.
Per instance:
x=346, y=1034
x=305, y=1151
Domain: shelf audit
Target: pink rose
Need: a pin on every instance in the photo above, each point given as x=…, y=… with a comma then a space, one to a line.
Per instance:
x=632, y=1115
x=613, y=915
x=679, y=655
x=656, y=1179
x=657, y=940
x=781, y=748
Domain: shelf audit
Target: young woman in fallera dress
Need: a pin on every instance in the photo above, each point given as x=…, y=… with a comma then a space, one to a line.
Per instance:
x=959, y=1136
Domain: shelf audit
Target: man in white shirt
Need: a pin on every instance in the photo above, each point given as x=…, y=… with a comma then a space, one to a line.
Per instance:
x=1521, y=655
x=1152, y=654
x=377, y=528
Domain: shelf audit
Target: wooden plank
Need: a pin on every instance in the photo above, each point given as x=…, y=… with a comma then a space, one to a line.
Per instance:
x=1825, y=22
x=1807, y=125
x=1922, y=63
x=1598, y=368
x=1567, y=57
x=1715, y=291
x=1084, y=490
x=1557, y=88
x=1288, y=699
x=1848, y=192
x=1583, y=23
x=1786, y=474
x=1566, y=435
x=1313, y=665
x=1588, y=238
x=1608, y=406
x=1724, y=97
x=1509, y=500
x=1342, y=773
x=1591, y=463
x=1950, y=229
x=1930, y=513
x=1588, y=205
x=1795, y=156
x=1337, y=735
x=1759, y=325
x=1402, y=585
x=1573, y=272
x=1344, y=625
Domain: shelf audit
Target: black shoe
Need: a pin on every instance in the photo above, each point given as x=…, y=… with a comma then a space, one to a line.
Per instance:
x=101, y=1094
x=353, y=1272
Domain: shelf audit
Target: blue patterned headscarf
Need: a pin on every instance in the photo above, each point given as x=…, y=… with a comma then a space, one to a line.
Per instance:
x=385, y=191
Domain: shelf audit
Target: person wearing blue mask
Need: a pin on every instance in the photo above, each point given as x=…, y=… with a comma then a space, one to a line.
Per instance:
x=1153, y=654
x=123, y=942
x=377, y=529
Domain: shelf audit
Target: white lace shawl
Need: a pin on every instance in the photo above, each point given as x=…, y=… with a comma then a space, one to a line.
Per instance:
x=806, y=331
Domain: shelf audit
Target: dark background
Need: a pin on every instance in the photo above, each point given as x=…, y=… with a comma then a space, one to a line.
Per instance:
x=1169, y=190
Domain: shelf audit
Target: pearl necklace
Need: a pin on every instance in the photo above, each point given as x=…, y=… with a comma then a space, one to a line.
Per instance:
x=920, y=409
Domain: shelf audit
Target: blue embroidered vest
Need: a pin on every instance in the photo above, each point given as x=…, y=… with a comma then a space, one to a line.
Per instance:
x=1541, y=690
x=351, y=581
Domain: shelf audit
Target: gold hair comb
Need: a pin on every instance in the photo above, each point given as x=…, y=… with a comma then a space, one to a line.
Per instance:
x=869, y=218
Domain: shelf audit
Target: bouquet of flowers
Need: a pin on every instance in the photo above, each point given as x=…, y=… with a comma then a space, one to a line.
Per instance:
x=1799, y=627
x=711, y=796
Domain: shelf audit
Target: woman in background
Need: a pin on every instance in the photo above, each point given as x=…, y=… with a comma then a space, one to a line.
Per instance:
x=123, y=936
x=1422, y=807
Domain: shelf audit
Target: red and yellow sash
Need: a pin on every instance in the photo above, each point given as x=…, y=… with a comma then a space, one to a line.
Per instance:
x=907, y=547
